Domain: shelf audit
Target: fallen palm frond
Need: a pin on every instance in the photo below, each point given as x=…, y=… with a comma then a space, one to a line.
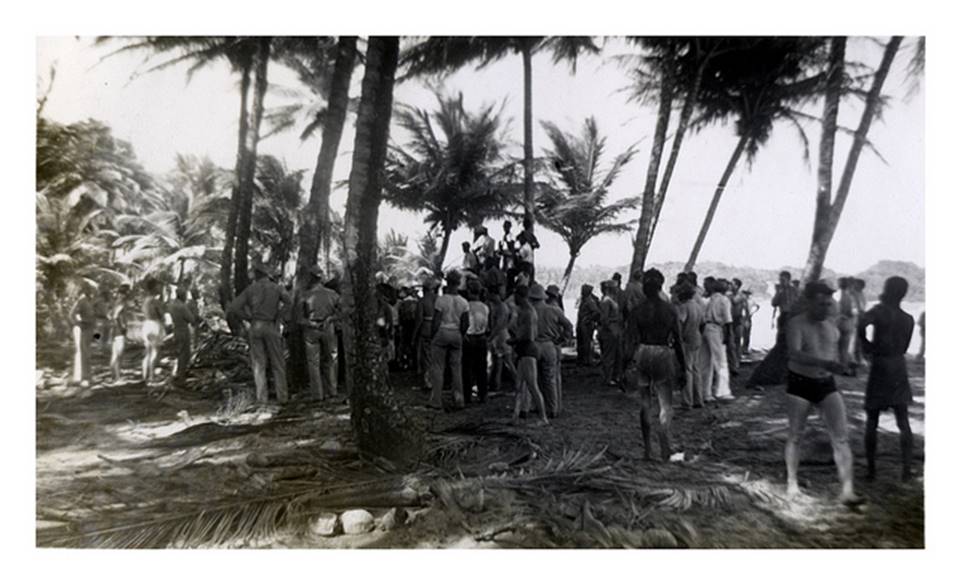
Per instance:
x=235, y=521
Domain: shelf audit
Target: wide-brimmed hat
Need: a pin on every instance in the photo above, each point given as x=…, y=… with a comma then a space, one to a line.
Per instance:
x=536, y=293
x=316, y=271
x=259, y=267
x=553, y=291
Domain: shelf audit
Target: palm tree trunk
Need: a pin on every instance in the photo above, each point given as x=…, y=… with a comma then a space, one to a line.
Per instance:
x=442, y=255
x=315, y=230
x=828, y=215
x=226, y=258
x=568, y=271
x=721, y=186
x=685, y=114
x=260, y=61
x=528, y=195
x=653, y=169
x=380, y=425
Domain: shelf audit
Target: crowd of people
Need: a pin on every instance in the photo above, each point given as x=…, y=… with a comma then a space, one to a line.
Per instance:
x=490, y=327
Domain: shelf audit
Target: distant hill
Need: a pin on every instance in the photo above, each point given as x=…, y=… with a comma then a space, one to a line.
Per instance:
x=758, y=280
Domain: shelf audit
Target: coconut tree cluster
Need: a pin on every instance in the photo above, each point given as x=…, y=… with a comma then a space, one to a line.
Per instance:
x=102, y=218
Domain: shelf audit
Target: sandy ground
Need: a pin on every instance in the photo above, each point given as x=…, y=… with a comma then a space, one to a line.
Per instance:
x=128, y=465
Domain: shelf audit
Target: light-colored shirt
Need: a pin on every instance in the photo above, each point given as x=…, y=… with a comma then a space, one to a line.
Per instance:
x=479, y=318
x=451, y=309
x=690, y=313
x=718, y=310
x=484, y=246
x=320, y=306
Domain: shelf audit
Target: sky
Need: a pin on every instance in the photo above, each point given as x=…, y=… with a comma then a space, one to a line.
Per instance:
x=764, y=220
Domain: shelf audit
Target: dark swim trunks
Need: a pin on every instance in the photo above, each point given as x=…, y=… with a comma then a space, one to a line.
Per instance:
x=810, y=389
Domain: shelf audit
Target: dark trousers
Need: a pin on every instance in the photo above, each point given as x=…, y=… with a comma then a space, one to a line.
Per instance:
x=475, y=366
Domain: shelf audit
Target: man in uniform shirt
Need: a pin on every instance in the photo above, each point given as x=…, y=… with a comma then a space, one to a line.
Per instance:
x=717, y=318
x=318, y=312
x=483, y=245
x=183, y=318
x=552, y=328
x=84, y=321
x=588, y=315
x=609, y=333
x=264, y=303
x=690, y=314
x=424, y=331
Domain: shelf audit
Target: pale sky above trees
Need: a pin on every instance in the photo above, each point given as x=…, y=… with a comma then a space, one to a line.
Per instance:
x=764, y=220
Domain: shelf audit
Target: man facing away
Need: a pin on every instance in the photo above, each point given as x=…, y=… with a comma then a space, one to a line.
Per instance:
x=119, y=319
x=847, y=324
x=812, y=346
x=84, y=319
x=552, y=329
x=610, y=333
x=318, y=312
x=888, y=385
x=424, y=330
x=717, y=321
x=690, y=315
x=264, y=303
x=588, y=314
x=183, y=318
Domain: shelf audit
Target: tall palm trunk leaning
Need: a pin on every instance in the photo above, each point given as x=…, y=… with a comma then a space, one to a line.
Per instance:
x=828, y=214
x=315, y=230
x=648, y=203
x=261, y=60
x=717, y=194
x=379, y=423
x=226, y=258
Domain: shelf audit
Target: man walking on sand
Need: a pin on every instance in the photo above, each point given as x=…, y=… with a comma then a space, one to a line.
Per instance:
x=812, y=346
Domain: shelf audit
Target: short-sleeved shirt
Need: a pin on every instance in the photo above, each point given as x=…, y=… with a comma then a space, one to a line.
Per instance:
x=479, y=318
x=690, y=314
x=552, y=324
x=320, y=305
x=451, y=308
x=610, y=318
x=261, y=301
x=718, y=310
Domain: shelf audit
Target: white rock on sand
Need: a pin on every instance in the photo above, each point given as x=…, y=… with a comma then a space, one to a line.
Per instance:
x=357, y=521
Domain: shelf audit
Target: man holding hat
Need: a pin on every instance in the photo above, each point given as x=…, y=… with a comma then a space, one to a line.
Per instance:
x=812, y=345
x=264, y=304
x=318, y=314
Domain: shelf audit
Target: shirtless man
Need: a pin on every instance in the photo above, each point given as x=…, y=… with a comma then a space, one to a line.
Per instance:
x=812, y=345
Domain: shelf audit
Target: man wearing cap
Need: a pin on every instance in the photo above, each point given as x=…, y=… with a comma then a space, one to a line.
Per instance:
x=552, y=328
x=555, y=299
x=319, y=309
x=423, y=329
x=450, y=322
x=812, y=348
x=690, y=316
x=264, y=303
x=83, y=319
x=588, y=315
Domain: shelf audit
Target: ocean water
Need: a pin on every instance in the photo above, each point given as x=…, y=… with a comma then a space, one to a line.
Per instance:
x=764, y=332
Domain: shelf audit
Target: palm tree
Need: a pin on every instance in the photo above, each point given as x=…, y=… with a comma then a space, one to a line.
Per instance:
x=758, y=83
x=379, y=423
x=828, y=212
x=452, y=167
x=179, y=232
x=324, y=66
x=442, y=55
x=574, y=203
x=247, y=56
x=276, y=209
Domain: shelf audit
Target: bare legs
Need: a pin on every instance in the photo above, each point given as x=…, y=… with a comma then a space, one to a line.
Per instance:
x=834, y=416
x=527, y=371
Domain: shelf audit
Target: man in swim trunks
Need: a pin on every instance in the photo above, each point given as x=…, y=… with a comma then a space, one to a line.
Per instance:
x=812, y=345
